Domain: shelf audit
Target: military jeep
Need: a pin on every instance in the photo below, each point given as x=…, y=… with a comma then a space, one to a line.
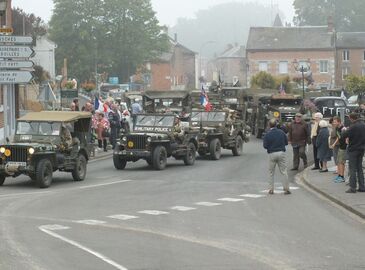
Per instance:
x=155, y=138
x=281, y=107
x=217, y=130
x=42, y=145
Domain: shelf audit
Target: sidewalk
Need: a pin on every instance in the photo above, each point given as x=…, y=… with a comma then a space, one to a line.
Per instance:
x=323, y=184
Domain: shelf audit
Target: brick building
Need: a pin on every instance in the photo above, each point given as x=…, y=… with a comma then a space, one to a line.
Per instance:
x=350, y=55
x=173, y=70
x=276, y=49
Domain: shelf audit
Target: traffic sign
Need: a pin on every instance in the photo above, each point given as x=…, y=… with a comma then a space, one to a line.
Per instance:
x=15, y=52
x=16, y=39
x=16, y=64
x=6, y=30
x=15, y=76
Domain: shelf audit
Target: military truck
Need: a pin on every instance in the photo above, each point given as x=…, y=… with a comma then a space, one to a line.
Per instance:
x=155, y=138
x=45, y=142
x=217, y=130
x=282, y=107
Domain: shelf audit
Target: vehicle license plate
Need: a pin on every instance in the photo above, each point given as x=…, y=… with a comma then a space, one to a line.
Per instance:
x=13, y=163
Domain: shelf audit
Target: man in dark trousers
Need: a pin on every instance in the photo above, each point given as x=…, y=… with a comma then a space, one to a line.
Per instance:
x=275, y=142
x=298, y=137
x=356, y=147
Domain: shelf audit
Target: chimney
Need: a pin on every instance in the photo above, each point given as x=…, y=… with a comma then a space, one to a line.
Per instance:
x=331, y=25
x=175, y=37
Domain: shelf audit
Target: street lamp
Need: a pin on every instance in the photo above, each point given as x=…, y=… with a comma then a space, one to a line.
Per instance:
x=303, y=67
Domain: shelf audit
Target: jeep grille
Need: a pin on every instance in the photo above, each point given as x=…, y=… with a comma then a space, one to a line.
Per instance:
x=18, y=154
x=139, y=142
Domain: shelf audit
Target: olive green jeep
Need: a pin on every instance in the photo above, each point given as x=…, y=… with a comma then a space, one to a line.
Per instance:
x=45, y=142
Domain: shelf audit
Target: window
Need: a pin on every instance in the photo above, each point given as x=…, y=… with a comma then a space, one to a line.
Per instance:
x=323, y=66
x=345, y=72
x=346, y=55
x=263, y=66
x=283, y=67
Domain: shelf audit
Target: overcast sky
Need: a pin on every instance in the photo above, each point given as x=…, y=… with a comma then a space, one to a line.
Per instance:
x=167, y=10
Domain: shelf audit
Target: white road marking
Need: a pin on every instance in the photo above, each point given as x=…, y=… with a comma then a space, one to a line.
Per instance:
x=79, y=246
x=106, y=184
x=153, y=212
x=253, y=196
x=123, y=217
x=230, y=200
x=182, y=208
x=90, y=222
x=208, y=204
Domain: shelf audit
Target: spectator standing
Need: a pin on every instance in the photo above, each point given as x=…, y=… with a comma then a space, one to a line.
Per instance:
x=298, y=137
x=324, y=152
x=356, y=146
x=114, y=121
x=342, y=146
x=275, y=142
x=314, y=133
x=136, y=109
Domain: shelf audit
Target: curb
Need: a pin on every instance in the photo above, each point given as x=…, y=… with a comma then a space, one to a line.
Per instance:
x=302, y=177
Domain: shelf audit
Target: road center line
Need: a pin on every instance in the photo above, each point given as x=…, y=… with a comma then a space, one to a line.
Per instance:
x=105, y=184
x=79, y=246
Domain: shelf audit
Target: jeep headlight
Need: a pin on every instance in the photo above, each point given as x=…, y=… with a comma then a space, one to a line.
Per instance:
x=2, y=150
x=149, y=139
x=31, y=151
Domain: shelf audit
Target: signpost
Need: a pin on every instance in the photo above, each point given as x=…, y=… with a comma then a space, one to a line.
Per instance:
x=15, y=76
x=16, y=51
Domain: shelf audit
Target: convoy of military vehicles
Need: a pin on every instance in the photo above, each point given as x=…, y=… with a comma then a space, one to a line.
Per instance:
x=174, y=124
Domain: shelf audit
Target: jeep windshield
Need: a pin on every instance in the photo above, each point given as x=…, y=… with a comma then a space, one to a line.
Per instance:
x=38, y=128
x=208, y=117
x=285, y=102
x=155, y=121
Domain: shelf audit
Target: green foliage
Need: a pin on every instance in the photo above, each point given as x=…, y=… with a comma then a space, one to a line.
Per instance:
x=115, y=35
x=348, y=15
x=33, y=26
x=263, y=80
x=355, y=84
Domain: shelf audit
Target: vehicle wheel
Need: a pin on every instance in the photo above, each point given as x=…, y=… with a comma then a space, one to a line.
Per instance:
x=237, y=150
x=189, y=159
x=2, y=179
x=202, y=153
x=149, y=162
x=119, y=163
x=44, y=172
x=159, y=158
x=215, y=149
x=79, y=172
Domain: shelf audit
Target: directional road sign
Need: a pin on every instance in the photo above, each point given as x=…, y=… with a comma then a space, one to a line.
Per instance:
x=16, y=39
x=15, y=52
x=15, y=76
x=16, y=64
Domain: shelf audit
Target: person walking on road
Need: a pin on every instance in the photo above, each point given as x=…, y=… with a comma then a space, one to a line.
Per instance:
x=314, y=133
x=298, y=137
x=136, y=109
x=275, y=142
x=324, y=152
x=356, y=147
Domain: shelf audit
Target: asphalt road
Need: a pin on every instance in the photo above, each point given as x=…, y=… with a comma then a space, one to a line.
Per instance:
x=182, y=218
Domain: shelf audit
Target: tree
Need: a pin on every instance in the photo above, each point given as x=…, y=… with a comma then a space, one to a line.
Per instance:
x=114, y=36
x=348, y=15
x=263, y=80
x=28, y=24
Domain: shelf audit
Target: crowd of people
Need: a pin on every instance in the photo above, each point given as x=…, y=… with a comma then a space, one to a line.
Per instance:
x=108, y=120
x=329, y=139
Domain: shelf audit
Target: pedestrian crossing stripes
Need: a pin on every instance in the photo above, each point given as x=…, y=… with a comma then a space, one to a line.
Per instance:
x=182, y=208
x=123, y=217
x=153, y=212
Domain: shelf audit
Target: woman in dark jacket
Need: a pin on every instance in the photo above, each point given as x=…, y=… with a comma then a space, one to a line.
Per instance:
x=324, y=153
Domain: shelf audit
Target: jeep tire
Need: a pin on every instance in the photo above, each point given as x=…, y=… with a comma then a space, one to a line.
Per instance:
x=2, y=179
x=119, y=163
x=237, y=149
x=79, y=173
x=44, y=172
x=159, y=158
x=215, y=149
x=189, y=158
